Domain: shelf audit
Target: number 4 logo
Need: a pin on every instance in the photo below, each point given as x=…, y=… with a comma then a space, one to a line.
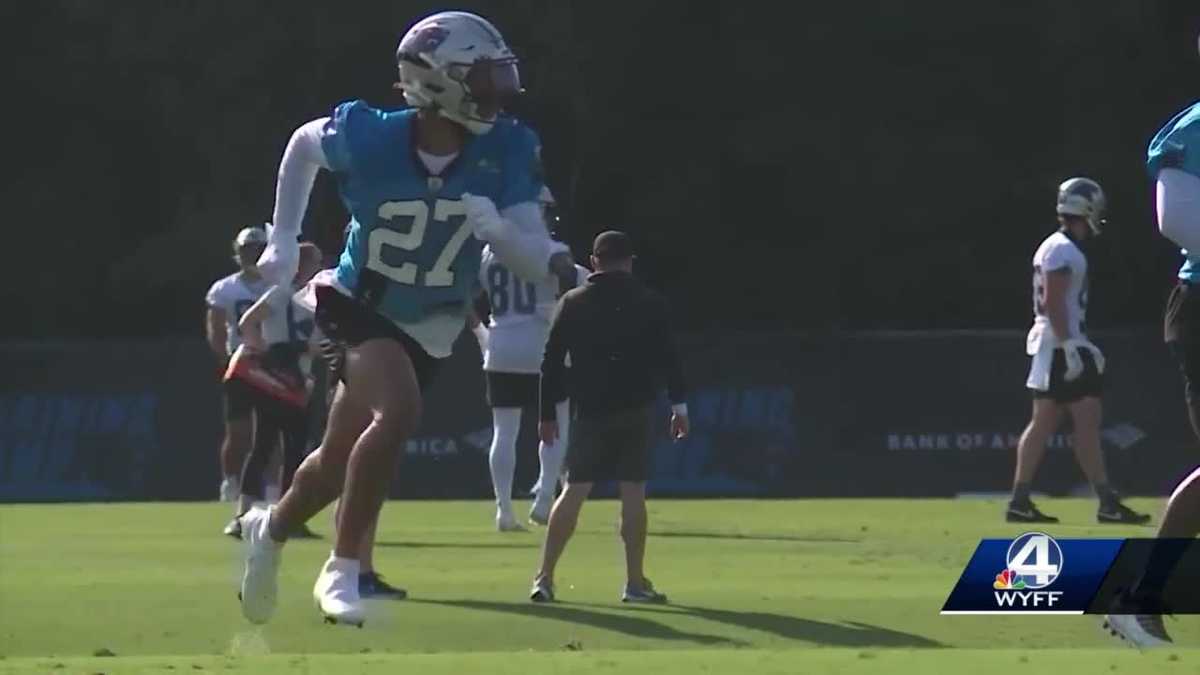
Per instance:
x=1046, y=556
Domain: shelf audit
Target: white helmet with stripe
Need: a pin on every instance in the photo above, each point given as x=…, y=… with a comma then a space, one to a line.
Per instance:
x=458, y=63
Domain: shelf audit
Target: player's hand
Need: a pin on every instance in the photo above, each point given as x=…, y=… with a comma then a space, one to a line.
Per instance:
x=485, y=220
x=548, y=431
x=680, y=427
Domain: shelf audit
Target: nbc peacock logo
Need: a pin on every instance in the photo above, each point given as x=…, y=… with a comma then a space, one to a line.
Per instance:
x=1008, y=580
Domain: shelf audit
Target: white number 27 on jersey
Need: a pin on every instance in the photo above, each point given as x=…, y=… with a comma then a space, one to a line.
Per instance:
x=416, y=213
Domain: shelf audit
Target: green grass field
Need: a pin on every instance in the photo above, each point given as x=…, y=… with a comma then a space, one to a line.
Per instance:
x=811, y=586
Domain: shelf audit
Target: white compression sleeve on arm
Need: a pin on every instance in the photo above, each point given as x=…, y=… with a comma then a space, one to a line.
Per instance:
x=1178, y=199
x=525, y=245
x=297, y=172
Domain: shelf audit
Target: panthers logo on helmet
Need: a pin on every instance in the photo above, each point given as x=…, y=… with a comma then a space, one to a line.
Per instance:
x=427, y=39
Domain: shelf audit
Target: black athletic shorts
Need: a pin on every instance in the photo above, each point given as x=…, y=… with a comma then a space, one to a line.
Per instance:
x=1181, y=331
x=239, y=400
x=515, y=390
x=610, y=447
x=511, y=390
x=348, y=323
x=1089, y=383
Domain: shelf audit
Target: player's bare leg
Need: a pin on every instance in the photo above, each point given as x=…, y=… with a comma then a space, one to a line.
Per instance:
x=1030, y=451
x=321, y=475
x=563, y=518
x=1180, y=520
x=381, y=372
x=234, y=446
x=1085, y=414
x=370, y=582
x=317, y=482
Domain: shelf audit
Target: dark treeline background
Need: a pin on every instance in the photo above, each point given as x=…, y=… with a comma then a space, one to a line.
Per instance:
x=795, y=166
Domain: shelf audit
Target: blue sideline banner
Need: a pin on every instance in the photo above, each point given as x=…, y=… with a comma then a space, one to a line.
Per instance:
x=773, y=415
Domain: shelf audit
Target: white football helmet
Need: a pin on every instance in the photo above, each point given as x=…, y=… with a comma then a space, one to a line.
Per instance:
x=250, y=235
x=458, y=63
x=1082, y=197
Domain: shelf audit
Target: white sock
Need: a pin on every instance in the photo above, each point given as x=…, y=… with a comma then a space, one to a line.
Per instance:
x=244, y=502
x=502, y=458
x=347, y=566
x=551, y=456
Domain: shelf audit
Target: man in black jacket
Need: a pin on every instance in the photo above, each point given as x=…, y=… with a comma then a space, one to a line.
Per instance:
x=619, y=340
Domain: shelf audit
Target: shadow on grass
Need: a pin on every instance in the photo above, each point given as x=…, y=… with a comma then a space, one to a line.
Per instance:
x=841, y=634
x=532, y=543
x=634, y=626
x=754, y=537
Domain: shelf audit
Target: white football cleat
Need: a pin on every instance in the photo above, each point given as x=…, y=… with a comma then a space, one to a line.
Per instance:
x=230, y=489
x=1144, y=631
x=539, y=513
x=505, y=522
x=336, y=592
x=260, y=578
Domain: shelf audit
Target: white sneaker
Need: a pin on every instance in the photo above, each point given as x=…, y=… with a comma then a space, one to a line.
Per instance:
x=260, y=580
x=231, y=489
x=505, y=522
x=540, y=511
x=336, y=592
x=1144, y=631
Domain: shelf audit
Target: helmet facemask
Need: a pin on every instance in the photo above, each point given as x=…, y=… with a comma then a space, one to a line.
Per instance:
x=1083, y=198
x=459, y=65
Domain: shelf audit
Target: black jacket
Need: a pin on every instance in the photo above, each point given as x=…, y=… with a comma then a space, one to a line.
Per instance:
x=618, y=334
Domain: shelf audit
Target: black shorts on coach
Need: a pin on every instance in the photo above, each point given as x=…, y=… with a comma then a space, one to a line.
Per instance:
x=348, y=323
x=610, y=447
x=1090, y=382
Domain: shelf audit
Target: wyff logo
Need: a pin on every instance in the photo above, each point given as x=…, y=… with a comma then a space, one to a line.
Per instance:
x=1026, y=575
x=1033, y=561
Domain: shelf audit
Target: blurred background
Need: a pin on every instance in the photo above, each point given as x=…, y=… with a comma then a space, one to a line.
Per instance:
x=825, y=192
x=865, y=164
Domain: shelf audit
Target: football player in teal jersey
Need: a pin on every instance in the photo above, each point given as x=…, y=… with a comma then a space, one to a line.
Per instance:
x=426, y=187
x=1173, y=163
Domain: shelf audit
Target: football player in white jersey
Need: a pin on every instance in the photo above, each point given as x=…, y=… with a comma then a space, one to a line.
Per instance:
x=274, y=362
x=512, y=342
x=1066, y=374
x=227, y=300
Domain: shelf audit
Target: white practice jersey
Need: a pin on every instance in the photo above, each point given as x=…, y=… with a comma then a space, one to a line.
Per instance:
x=1058, y=252
x=521, y=313
x=289, y=321
x=234, y=295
